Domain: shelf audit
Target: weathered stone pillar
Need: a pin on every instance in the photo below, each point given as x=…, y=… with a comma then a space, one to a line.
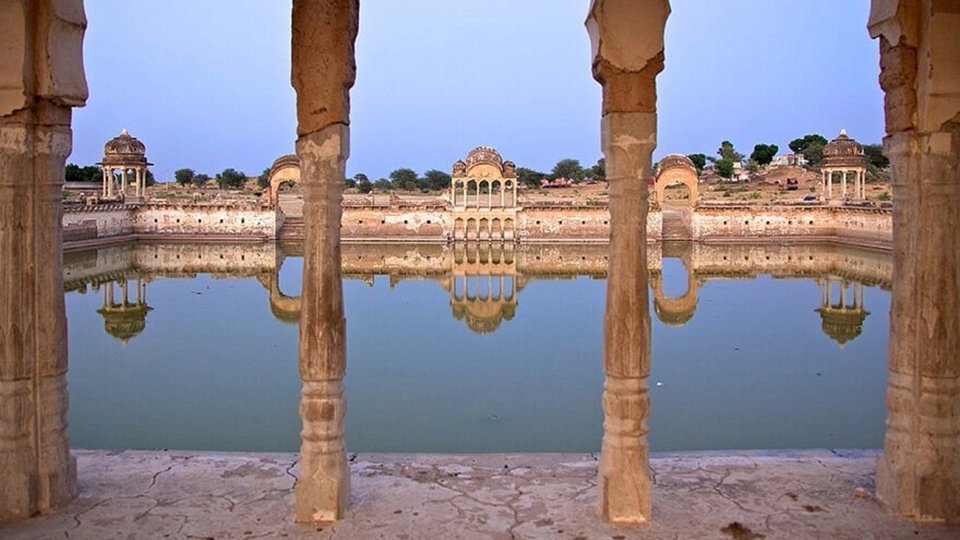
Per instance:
x=627, y=41
x=324, y=32
x=41, y=79
x=918, y=475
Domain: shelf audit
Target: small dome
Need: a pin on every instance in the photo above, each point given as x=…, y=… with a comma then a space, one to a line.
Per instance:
x=125, y=322
x=124, y=149
x=843, y=152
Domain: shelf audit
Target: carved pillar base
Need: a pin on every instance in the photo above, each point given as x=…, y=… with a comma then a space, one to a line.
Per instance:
x=323, y=489
x=624, y=481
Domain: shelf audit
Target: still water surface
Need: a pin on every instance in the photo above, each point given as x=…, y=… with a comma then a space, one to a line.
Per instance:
x=745, y=360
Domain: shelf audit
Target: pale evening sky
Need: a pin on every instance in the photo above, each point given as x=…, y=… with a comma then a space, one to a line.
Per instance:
x=206, y=83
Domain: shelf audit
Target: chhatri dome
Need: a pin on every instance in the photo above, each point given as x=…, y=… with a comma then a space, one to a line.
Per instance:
x=843, y=156
x=843, y=151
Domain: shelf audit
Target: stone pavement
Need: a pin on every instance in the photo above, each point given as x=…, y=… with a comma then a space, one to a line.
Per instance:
x=739, y=496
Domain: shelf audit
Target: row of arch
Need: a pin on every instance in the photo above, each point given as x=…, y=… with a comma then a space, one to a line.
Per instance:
x=484, y=229
x=494, y=193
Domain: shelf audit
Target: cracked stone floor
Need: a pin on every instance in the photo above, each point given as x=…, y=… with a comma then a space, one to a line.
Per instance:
x=740, y=496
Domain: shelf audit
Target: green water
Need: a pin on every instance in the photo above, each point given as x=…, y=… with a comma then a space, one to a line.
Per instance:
x=211, y=366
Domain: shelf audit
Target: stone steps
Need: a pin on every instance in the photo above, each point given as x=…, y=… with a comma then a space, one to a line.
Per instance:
x=293, y=229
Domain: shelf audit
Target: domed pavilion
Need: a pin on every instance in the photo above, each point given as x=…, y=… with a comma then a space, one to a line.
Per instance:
x=843, y=156
x=124, y=156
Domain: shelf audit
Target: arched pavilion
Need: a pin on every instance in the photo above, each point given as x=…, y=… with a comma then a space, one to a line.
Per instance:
x=124, y=154
x=844, y=156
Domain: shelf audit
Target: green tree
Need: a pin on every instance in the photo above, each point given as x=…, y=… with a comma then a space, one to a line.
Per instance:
x=149, y=180
x=798, y=146
x=76, y=173
x=763, y=154
x=874, y=154
x=184, y=176
x=200, y=180
x=364, y=185
x=752, y=165
x=530, y=177
x=724, y=167
x=813, y=153
x=699, y=161
x=383, y=185
x=405, y=179
x=599, y=171
x=360, y=177
x=569, y=169
x=728, y=152
x=435, y=180
x=264, y=179
x=230, y=178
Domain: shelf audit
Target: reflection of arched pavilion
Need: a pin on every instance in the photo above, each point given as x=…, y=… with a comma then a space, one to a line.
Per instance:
x=483, y=194
x=483, y=286
x=675, y=311
x=123, y=154
x=844, y=156
x=125, y=319
x=842, y=315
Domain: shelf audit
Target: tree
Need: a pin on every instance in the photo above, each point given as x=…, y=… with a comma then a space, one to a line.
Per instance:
x=200, y=180
x=435, y=180
x=530, y=177
x=874, y=154
x=364, y=185
x=813, y=153
x=264, y=179
x=798, y=146
x=383, y=185
x=763, y=154
x=724, y=167
x=699, y=161
x=752, y=166
x=76, y=173
x=727, y=151
x=599, y=171
x=569, y=169
x=184, y=176
x=230, y=178
x=405, y=179
x=360, y=177
x=148, y=179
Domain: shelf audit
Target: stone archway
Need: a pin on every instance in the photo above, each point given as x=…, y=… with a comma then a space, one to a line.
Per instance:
x=676, y=169
x=285, y=170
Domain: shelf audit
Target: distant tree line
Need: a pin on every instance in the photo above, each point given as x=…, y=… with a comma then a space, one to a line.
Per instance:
x=93, y=173
x=809, y=146
x=229, y=178
x=406, y=179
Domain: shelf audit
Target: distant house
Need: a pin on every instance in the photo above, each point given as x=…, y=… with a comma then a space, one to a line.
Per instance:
x=789, y=160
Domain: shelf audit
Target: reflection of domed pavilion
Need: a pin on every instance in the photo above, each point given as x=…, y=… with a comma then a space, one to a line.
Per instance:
x=844, y=156
x=842, y=320
x=124, y=320
x=483, y=287
x=124, y=154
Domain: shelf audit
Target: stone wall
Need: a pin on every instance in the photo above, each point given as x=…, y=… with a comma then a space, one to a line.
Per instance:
x=94, y=225
x=862, y=225
x=398, y=221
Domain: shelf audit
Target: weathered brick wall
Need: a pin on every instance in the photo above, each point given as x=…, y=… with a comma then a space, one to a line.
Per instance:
x=869, y=224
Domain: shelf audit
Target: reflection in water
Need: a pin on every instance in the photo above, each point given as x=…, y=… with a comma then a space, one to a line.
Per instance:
x=843, y=318
x=481, y=285
x=124, y=320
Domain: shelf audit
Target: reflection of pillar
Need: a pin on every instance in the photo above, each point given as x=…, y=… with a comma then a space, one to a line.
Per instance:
x=42, y=74
x=323, y=73
x=919, y=473
x=627, y=37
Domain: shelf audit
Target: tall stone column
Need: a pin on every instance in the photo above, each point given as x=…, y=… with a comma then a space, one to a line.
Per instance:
x=918, y=475
x=324, y=70
x=627, y=41
x=41, y=79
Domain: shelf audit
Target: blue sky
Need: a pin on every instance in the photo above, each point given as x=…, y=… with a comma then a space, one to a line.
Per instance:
x=206, y=83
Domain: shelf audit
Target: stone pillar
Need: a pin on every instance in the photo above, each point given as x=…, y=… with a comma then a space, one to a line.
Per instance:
x=843, y=183
x=103, y=187
x=41, y=79
x=324, y=32
x=627, y=40
x=918, y=475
